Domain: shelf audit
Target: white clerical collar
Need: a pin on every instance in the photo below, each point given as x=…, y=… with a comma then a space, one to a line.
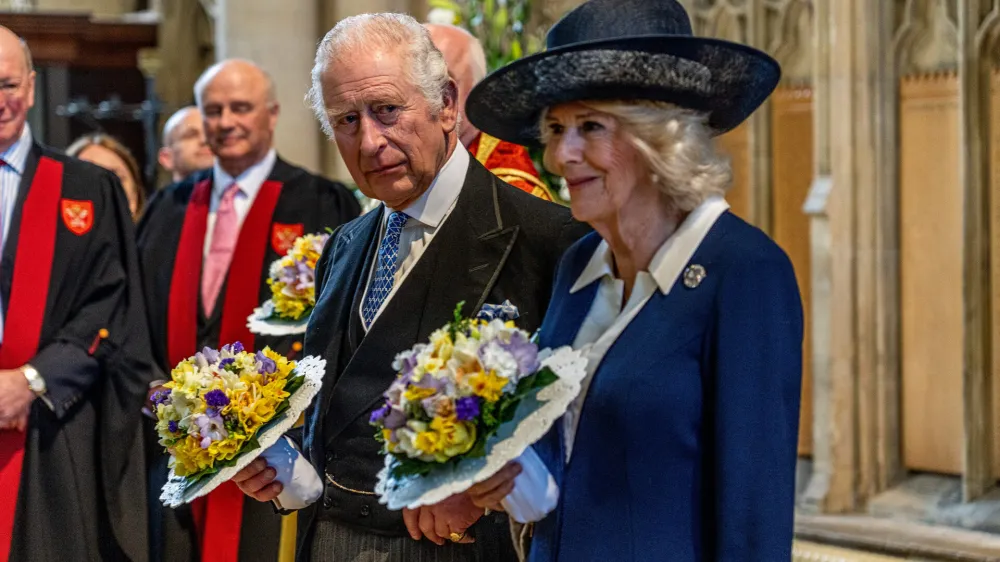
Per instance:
x=432, y=207
x=671, y=258
x=249, y=181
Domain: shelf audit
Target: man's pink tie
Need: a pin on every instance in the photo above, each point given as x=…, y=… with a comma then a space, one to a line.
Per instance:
x=220, y=253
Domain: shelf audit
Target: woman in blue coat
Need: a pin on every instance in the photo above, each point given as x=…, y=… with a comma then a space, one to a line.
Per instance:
x=682, y=444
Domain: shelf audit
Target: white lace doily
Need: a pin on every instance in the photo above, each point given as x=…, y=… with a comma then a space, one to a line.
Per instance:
x=533, y=418
x=261, y=323
x=177, y=491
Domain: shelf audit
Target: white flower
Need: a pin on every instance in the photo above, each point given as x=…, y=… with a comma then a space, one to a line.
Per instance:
x=499, y=360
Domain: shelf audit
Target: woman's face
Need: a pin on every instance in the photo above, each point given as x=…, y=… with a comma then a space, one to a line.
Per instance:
x=97, y=154
x=589, y=150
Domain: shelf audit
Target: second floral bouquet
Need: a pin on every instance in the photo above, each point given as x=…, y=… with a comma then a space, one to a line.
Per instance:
x=464, y=404
x=292, y=280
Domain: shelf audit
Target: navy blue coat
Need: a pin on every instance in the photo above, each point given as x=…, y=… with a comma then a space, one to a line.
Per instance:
x=687, y=443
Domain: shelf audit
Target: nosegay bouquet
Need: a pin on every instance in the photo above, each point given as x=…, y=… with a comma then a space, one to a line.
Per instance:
x=467, y=402
x=222, y=408
x=292, y=280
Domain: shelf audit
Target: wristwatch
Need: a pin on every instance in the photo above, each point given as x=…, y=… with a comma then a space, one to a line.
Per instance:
x=35, y=381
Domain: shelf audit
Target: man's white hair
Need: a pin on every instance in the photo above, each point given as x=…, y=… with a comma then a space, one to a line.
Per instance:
x=211, y=72
x=423, y=62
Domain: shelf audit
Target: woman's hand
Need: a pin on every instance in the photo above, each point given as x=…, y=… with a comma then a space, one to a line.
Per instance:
x=490, y=493
x=257, y=481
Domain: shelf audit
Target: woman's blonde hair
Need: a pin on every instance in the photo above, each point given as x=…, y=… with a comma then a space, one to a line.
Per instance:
x=677, y=146
x=121, y=151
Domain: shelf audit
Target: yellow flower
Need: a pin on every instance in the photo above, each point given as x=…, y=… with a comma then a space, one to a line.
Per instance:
x=228, y=447
x=415, y=393
x=456, y=438
x=285, y=367
x=427, y=442
x=190, y=458
x=488, y=386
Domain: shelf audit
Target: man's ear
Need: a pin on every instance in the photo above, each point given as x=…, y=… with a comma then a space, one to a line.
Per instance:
x=165, y=157
x=449, y=113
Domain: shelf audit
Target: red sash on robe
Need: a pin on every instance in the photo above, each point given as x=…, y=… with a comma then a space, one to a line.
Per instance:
x=36, y=244
x=220, y=516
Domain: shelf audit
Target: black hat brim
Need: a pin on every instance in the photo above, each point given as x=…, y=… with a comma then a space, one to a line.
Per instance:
x=726, y=80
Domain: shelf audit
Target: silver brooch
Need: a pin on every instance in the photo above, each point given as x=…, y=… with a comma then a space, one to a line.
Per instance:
x=694, y=275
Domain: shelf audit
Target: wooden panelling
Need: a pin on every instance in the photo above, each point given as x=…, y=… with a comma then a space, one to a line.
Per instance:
x=736, y=145
x=995, y=255
x=792, y=173
x=931, y=245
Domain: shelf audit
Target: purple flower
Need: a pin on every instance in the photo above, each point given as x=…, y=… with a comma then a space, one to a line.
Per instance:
x=467, y=409
x=524, y=352
x=267, y=365
x=216, y=398
x=172, y=426
x=379, y=414
x=161, y=396
x=430, y=381
x=226, y=362
x=234, y=348
x=395, y=419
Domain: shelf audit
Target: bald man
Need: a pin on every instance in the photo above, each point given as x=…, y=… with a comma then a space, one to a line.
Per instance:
x=467, y=66
x=74, y=347
x=185, y=149
x=246, y=210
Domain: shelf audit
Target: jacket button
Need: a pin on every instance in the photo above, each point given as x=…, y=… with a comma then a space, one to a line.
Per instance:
x=365, y=510
x=328, y=502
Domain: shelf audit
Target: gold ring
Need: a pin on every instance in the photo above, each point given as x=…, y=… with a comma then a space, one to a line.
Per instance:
x=455, y=537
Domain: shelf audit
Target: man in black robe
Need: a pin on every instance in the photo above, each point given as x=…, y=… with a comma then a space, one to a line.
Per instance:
x=447, y=231
x=75, y=347
x=206, y=245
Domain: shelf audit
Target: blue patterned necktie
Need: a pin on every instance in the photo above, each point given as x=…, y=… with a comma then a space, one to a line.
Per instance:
x=385, y=273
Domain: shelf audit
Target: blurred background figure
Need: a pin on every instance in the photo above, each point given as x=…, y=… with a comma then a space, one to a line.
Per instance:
x=108, y=153
x=185, y=149
x=466, y=62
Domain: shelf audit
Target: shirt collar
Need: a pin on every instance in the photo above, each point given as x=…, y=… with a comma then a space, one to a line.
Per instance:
x=671, y=258
x=17, y=155
x=431, y=207
x=249, y=181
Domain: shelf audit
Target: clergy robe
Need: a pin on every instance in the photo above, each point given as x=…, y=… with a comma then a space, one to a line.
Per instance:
x=73, y=309
x=291, y=202
x=510, y=162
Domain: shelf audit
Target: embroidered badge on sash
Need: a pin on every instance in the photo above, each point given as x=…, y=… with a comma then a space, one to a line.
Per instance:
x=283, y=236
x=78, y=216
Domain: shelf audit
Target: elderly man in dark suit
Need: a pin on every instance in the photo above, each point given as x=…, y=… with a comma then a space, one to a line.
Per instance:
x=447, y=231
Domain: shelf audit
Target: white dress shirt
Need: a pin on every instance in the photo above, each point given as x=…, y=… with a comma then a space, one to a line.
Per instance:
x=249, y=181
x=425, y=217
x=302, y=486
x=16, y=156
x=607, y=318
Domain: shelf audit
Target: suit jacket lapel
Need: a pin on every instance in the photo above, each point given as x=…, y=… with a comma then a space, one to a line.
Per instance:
x=461, y=263
x=354, y=252
x=10, y=244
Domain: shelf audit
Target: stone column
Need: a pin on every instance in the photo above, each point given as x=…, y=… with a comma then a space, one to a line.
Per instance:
x=281, y=37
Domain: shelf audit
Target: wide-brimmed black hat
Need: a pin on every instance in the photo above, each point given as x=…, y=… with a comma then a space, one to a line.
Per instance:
x=624, y=50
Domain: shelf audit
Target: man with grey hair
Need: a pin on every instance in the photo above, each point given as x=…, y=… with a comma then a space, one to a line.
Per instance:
x=447, y=231
x=185, y=149
x=247, y=209
x=467, y=66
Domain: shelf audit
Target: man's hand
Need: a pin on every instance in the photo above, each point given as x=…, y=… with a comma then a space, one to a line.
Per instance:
x=257, y=481
x=15, y=400
x=437, y=522
x=490, y=493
